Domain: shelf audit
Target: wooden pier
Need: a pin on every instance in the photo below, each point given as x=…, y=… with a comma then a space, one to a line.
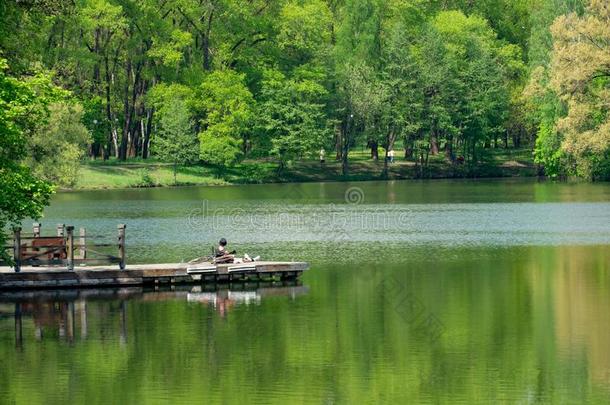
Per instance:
x=147, y=275
x=62, y=261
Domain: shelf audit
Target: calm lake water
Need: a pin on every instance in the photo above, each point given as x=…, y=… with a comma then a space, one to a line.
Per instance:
x=420, y=292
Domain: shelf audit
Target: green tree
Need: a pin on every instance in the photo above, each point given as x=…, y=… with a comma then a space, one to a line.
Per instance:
x=56, y=149
x=400, y=112
x=225, y=105
x=357, y=48
x=304, y=35
x=543, y=106
x=453, y=67
x=22, y=194
x=466, y=74
x=580, y=76
x=176, y=141
x=291, y=114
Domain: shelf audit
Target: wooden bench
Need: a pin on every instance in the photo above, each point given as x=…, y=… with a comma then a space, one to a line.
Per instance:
x=44, y=248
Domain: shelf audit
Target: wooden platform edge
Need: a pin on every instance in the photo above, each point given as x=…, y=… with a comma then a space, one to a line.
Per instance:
x=135, y=275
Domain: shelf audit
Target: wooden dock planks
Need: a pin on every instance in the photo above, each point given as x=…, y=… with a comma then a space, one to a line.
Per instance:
x=142, y=274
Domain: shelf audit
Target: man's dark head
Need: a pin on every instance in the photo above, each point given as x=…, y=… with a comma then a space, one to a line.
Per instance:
x=223, y=242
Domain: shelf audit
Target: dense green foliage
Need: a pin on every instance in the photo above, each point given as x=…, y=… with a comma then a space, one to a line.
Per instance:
x=55, y=149
x=175, y=142
x=282, y=79
x=23, y=106
x=225, y=105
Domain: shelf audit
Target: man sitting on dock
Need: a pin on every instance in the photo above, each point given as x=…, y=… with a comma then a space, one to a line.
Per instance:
x=221, y=255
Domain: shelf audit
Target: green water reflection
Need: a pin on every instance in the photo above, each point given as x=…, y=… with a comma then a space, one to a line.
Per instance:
x=516, y=317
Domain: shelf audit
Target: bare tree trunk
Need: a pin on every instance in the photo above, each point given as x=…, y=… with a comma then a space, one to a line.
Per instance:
x=449, y=149
x=348, y=127
x=126, y=113
x=96, y=68
x=338, y=142
x=433, y=143
x=409, y=147
x=112, y=135
x=345, y=149
x=374, y=145
x=344, y=162
x=384, y=173
x=115, y=141
x=142, y=136
x=146, y=141
x=206, y=41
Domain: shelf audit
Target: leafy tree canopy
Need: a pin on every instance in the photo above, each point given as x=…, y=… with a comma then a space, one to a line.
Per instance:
x=22, y=108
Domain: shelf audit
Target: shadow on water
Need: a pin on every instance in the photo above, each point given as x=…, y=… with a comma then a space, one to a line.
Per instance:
x=64, y=314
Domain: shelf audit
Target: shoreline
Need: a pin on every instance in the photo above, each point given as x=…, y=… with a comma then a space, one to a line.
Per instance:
x=348, y=180
x=144, y=174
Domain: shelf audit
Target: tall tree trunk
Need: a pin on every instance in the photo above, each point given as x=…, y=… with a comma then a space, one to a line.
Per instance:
x=146, y=141
x=408, y=152
x=384, y=173
x=346, y=140
x=344, y=161
x=130, y=100
x=409, y=147
x=132, y=147
x=344, y=149
x=142, y=136
x=449, y=149
x=115, y=141
x=434, y=143
x=126, y=112
x=206, y=41
x=517, y=138
x=338, y=142
x=111, y=135
x=95, y=85
x=138, y=93
x=374, y=145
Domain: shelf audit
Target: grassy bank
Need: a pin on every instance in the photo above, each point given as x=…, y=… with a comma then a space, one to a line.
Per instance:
x=138, y=173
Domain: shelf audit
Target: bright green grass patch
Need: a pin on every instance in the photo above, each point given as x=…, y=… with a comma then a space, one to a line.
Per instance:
x=98, y=176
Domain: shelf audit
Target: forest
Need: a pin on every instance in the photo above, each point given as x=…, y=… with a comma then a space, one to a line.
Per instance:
x=214, y=82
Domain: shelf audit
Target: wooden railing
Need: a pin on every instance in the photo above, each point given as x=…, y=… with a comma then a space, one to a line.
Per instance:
x=61, y=249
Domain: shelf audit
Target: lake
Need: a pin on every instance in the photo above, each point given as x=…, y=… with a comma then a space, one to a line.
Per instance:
x=425, y=292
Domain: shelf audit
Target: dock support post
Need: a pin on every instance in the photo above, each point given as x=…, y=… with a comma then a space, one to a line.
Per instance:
x=36, y=229
x=17, y=248
x=70, y=246
x=121, y=229
x=82, y=242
